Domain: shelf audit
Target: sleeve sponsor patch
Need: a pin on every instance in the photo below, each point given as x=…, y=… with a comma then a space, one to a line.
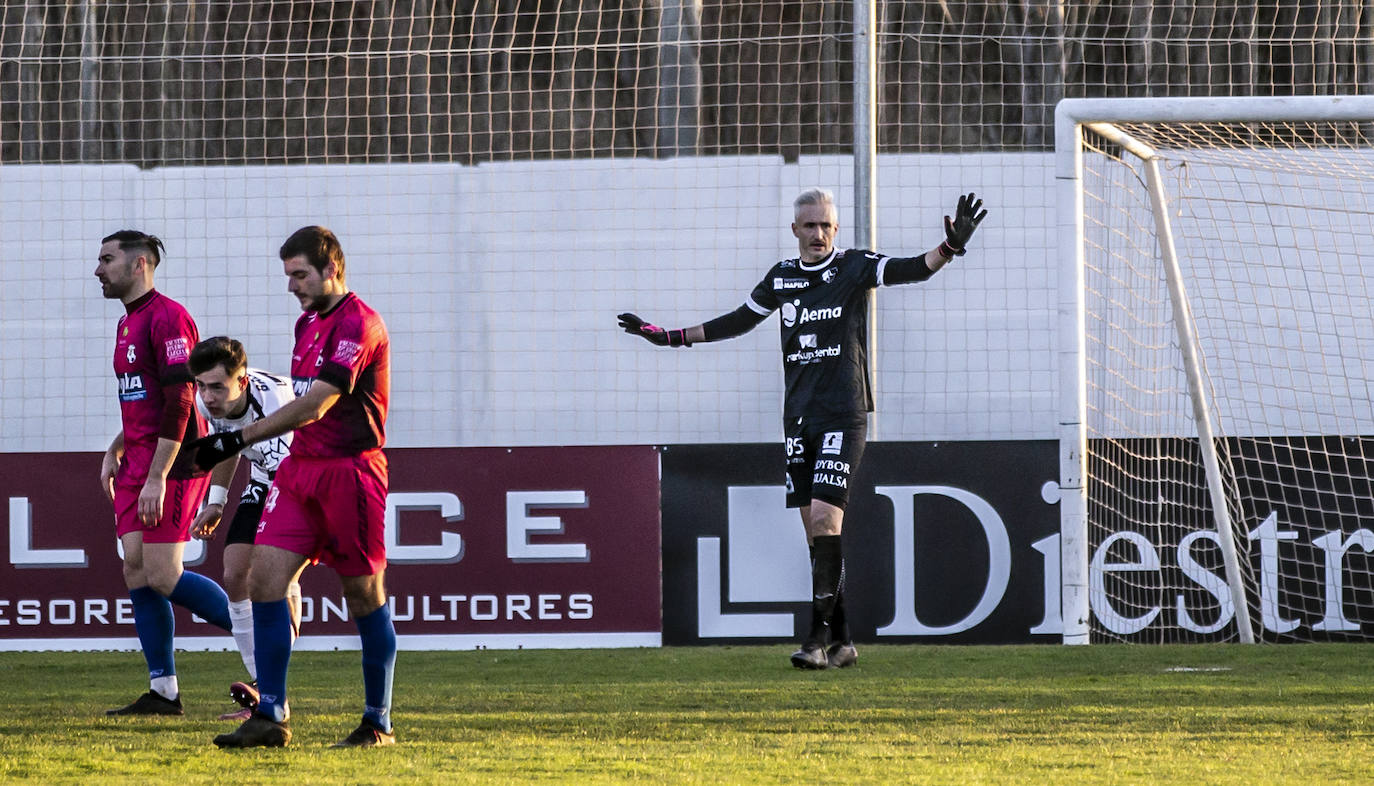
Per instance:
x=178, y=350
x=346, y=353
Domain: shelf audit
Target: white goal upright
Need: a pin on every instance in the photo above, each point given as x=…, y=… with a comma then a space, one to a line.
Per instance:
x=1217, y=345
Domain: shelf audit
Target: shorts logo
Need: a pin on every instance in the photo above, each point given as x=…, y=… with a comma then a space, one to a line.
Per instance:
x=177, y=350
x=130, y=355
x=832, y=442
x=346, y=353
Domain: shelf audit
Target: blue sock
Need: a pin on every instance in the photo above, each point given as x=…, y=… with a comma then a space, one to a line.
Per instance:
x=379, y=663
x=204, y=598
x=155, y=625
x=272, y=652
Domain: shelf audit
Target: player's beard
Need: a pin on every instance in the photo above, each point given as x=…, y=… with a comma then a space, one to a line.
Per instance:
x=114, y=290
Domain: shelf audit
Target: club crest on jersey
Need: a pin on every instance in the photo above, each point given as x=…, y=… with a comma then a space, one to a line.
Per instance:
x=131, y=387
x=829, y=275
x=130, y=355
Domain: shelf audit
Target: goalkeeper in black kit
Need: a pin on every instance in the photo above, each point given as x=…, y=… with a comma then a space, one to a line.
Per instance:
x=822, y=297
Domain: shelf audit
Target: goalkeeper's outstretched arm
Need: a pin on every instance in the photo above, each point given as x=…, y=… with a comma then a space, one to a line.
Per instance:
x=736, y=323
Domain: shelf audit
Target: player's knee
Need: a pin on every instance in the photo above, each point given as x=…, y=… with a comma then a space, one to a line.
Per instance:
x=162, y=578
x=236, y=584
x=133, y=575
x=364, y=597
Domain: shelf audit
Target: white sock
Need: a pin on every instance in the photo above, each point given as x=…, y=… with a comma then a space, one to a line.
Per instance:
x=166, y=687
x=241, y=618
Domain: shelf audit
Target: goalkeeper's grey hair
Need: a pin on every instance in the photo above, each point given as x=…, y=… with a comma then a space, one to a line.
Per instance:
x=813, y=196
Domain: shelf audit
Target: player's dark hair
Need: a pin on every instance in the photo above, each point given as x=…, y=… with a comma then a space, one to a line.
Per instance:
x=218, y=351
x=318, y=245
x=132, y=238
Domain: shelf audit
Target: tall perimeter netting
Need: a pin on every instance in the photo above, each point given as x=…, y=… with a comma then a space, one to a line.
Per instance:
x=1272, y=224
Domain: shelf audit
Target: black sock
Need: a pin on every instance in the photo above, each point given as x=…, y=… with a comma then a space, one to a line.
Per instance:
x=839, y=621
x=826, y=571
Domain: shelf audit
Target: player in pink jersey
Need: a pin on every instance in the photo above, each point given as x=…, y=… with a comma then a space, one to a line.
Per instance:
x=327, y=502
x=152, y=481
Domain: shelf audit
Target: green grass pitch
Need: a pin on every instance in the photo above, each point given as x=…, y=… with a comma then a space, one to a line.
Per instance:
x=904, y=714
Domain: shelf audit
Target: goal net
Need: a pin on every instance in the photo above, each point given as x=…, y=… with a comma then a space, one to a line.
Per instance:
x=1219, y=342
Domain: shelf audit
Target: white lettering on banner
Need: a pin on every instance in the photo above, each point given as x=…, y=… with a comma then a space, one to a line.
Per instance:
x=448, y=550
x=1097, y=583
x=68, y=611
x=22, y=552
x=1335, y=547
x=1053, y=622
x=904, y=621
x=1333, y=544
x=515, y=607
x=520, y=524
x=1205, y=579
x=1269, y=535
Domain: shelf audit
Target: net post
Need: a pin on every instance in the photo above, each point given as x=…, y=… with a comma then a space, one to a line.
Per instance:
x=866, y=165
x=1073, y=489
x=1192, y=366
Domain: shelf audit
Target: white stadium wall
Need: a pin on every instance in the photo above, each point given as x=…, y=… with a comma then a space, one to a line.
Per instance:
x=500, y=284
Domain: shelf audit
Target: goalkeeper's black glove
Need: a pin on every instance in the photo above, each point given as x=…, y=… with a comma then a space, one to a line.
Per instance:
x=960, y=229
x=214, y=448
x=653, y=333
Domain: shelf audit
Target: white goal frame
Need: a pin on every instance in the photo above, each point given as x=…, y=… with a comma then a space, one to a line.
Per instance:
x=1071, y=117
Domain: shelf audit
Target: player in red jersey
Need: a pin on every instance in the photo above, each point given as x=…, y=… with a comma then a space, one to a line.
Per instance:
x=154, y=485
x=328, y=500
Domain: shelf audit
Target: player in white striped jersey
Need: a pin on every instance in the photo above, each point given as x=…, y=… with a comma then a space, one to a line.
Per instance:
x=230, y=395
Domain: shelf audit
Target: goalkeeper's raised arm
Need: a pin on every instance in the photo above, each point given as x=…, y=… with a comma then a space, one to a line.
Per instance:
x=814, y=237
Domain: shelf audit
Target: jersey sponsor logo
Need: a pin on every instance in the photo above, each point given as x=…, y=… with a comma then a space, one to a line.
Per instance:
x=805, y=356
x=832, y=442
x=794, y=313
x=177, y=349
x=131, y=387
x=781, y=284
x=807, y=340
x=301, y=385
x=347, y=352
x=814, y=314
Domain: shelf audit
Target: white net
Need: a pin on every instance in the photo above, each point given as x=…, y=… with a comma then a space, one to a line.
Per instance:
x=506, y=175
x=1271, y=222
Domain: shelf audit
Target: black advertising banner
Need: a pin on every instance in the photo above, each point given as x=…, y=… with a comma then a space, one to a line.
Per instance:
x=487, y=547
x=949, y=542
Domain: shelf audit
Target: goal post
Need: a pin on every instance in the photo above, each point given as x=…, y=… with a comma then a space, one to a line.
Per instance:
x=1215, y=354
